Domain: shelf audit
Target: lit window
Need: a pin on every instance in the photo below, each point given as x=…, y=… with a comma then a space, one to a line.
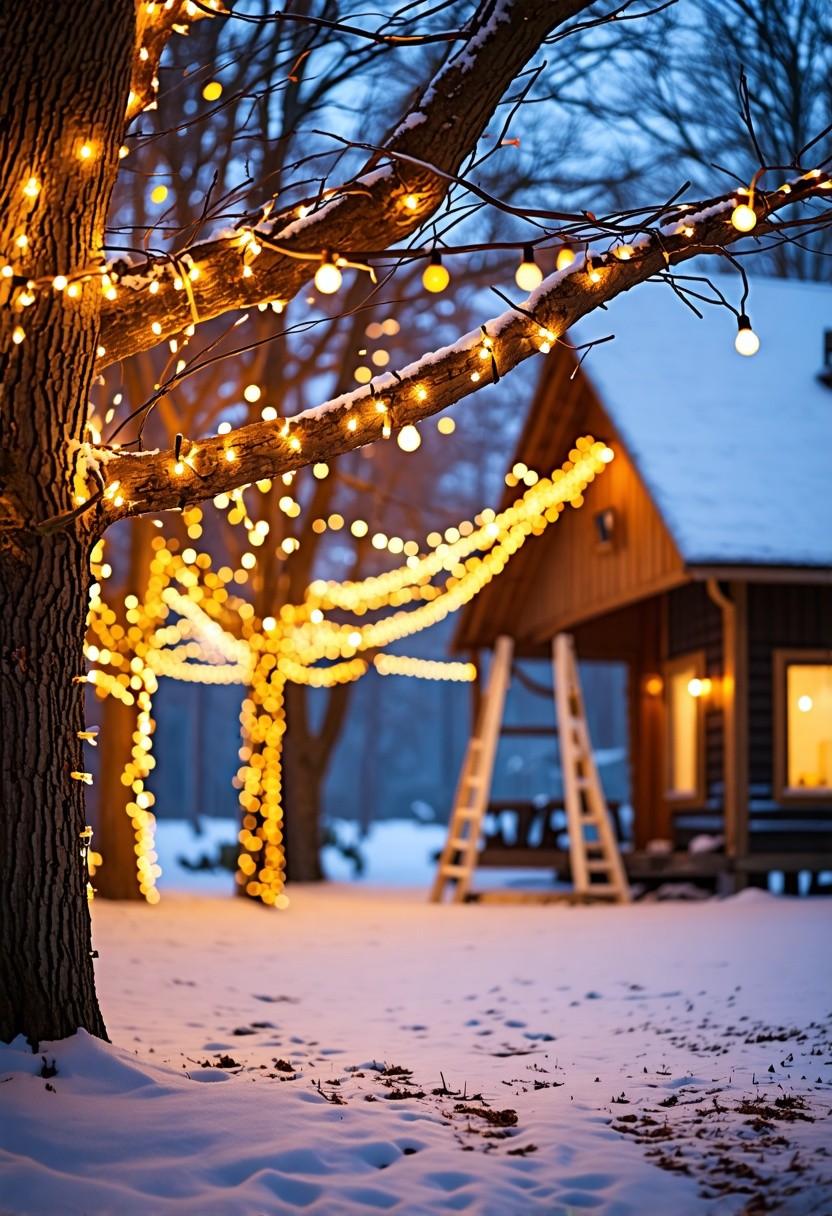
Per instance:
x=684, y=778
x=804, y=716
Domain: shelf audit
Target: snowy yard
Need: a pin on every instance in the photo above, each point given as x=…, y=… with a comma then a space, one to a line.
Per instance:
x=365, y=1051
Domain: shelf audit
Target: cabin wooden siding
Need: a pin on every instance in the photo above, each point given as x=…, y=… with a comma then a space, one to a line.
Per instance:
x=576, y=577
x=788, y=617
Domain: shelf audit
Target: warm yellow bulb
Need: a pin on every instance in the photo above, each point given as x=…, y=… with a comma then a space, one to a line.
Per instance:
x=327, y=277
x=32, y=188
x=212, y=91
x=60, y=282
x=566, y=256
x=436, y=277
x=158, y=194
x=528, y=275
x=743, y=217
x=251, y=392
x=85, y=151
x=18, y=335
x=411, y=202
x=409, y=439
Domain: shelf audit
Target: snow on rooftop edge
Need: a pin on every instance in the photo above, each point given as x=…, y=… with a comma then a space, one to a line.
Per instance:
x=736, y=452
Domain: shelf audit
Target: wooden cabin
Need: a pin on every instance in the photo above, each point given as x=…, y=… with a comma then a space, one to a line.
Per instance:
x=701, y=559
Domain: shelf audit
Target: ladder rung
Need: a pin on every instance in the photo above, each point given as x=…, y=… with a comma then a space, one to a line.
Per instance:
x=599, y=867
x=459, y=842
x=466, y=812
x=454, y=871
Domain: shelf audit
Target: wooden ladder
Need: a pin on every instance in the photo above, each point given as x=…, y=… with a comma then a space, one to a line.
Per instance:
x=597, y=869
x=459, y=854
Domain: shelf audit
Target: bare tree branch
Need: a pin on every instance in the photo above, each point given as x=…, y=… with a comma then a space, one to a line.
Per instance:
x=141, y=483
x=439, y=131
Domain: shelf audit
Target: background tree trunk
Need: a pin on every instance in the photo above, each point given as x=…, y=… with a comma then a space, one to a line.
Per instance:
x=115, y=835
x=302, y=779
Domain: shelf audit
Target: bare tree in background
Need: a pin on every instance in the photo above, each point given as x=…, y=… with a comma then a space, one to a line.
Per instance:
x=709, y=91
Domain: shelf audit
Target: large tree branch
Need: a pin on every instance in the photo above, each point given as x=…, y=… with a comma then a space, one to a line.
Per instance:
x=139, y=483
x=369, y=212
x=155, y=22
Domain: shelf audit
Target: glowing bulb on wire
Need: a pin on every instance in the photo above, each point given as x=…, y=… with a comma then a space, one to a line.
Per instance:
x=528, y=274
x=744, y=218
x=436, y=277
x=327, y=276
x=566, y=256
x=409, y=439
x=746, y=341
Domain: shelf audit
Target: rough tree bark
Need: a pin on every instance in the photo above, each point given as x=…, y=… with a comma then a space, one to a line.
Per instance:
x=82, y=70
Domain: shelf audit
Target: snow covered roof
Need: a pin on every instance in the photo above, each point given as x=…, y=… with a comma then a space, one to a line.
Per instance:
x=735, y=451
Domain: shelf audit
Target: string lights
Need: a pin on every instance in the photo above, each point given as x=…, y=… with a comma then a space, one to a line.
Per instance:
x=746, y=341
x=178, y=632
x=528, y=275
x=435, y=277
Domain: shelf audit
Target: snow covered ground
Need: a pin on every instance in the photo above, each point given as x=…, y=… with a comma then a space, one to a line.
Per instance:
x=365, y=1051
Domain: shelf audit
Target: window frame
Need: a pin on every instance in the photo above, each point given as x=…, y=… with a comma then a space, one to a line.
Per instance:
x=782, y=659
x=697, y=797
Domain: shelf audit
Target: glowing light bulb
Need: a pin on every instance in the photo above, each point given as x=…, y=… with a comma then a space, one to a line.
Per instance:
x=744, y=218
x=32, y=188
x=212, y=91
x=528, y=275
x=409, y=439
x=18, y=334
x=436, y=277
x=327, y=276
x=411, y=202
x=566, y=256
x=804, y=704
x=158, y=194
x=746, y=341
x=251, y=392
x=85, y=152
x=60, y=282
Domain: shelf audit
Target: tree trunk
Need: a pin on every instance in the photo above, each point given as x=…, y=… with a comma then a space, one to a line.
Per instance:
x=302, y=779
x=115, y=837
x=48, y=989
x=115, y=832
x=67, y=76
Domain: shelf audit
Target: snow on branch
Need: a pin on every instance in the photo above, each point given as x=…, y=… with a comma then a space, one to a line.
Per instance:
x=142, y=482
x=386, y=203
